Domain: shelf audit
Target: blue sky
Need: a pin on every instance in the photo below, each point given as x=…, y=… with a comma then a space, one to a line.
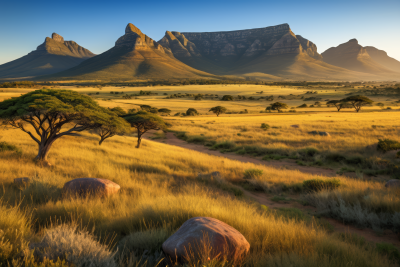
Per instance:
x=96, y=25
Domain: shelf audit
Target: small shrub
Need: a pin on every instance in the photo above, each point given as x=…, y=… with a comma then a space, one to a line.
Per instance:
x=77, y=247
x=336, y=157
x=224, y=145
x=309, y=152
x=4, y=146
x=388, y=145
x=191, y=112
x=398, y=154
x=197, y=139
x=389, y=250
x=318, y=184
x=264, y=126
x=252, y=173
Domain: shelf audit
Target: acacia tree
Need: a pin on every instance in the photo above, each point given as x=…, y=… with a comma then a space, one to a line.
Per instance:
x=53, y=114
x=112, y=127
x=278, y=106
x=144, y=121
x=218, y=110
x=357, y=101
x=337, y=103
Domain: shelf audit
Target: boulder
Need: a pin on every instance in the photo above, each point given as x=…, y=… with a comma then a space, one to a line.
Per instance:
x=200, y=232
x=295, y=126
x=394, y=183
x=89, y=186
x=313, y=132
x=210, y=176
x=22, y=181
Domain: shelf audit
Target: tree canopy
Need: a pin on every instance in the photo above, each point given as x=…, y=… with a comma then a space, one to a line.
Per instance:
x=119, y=111
x=337, y=103
x=53, y=114
x=164, y=111
x=278, y=106
x=191, y=112
x=144, y=121
x=227, y=98
x=357, y=101
x=218, y=110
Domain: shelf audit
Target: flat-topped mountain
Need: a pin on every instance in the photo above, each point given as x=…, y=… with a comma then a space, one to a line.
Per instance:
x=351, y=55
x=135, y=55
x=52, y=56
x=271, y=53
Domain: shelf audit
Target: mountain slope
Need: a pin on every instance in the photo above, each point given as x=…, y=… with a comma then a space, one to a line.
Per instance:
x=353, y=56
x=382, y=58
x=52, y=56
x=135, y=55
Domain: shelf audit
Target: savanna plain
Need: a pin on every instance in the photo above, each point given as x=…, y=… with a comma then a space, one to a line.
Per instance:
x=304, y=184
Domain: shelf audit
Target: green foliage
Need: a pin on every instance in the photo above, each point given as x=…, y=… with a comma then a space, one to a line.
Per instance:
x=252, y=173
x=357, y=101
x=191, y=112
x=265, y=126
x=26, y=84
x=227, y=98
x=224, y=145
x=164, y=111
x=386, y=145
x=218, y=110
x=4, y=146
x=278, y=106
x=119, y=111
x=309, y=152
x=388, y=250
x=318, y=184
x=303, y=106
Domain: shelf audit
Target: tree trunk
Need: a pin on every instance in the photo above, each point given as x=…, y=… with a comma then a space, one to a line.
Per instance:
x=139, y=140
x=101, y=141
x=43, y=153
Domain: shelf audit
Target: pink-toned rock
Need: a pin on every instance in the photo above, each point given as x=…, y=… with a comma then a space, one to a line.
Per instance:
x=95, y=186
x=22, y=181
x=394, y=183
x=226, y=242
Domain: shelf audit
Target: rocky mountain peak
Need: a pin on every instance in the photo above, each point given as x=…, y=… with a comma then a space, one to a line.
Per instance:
x=354, y=40
x=130, y=28
x=56, y=37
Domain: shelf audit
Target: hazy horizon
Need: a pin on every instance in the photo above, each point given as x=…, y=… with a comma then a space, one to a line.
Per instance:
x=96, y=25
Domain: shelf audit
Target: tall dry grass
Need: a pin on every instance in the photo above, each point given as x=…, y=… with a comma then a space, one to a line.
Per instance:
x=159, y=192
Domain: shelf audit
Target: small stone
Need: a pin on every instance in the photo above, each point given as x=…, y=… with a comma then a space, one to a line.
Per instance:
x=324, y=134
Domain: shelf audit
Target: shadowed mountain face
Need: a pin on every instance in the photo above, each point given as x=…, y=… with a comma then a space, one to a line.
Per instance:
x=269, y=53
x=353, y=56
x=135, y=55
x=52, y=56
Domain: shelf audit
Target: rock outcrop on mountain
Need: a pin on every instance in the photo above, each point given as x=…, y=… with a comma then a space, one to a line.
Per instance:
x=353, y=56
x=52, y=56
x=266, y=53
x=135, y=55
x=222, y=52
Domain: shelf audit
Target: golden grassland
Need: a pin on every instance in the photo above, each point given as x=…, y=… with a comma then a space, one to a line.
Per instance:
x=160, y=191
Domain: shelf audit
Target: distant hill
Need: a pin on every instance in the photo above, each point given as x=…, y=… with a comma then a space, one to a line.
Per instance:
x=52, y=56
x=266, y=53
x=353, y=56
x=134, y=56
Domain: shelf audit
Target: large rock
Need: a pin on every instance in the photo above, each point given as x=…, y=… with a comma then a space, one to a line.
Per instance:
x=88, y=186
x=225, y=241
x=394, y=183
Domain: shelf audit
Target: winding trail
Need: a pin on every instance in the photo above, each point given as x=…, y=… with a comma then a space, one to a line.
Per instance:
x=387, y=236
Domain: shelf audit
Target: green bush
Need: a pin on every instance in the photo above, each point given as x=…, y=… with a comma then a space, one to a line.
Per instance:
x=227, y=98
x=4, y=146
x=387, y=145
x=191, y=112
x=309, y=152
x=318, y=184
x=389, y=250
x=252, y=173
x=224, y=145
x=336, y=157
x=398, y=154
x=265, y=126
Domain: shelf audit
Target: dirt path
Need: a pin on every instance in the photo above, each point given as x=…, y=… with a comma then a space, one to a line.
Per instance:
x=171, y=139
x=369, y=235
